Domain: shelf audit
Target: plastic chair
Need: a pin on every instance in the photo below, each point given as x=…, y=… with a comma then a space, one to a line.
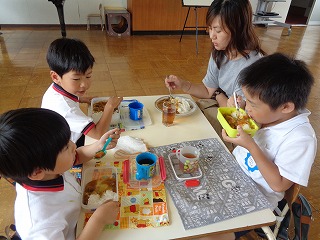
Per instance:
x=95, y=15
x=290, y=196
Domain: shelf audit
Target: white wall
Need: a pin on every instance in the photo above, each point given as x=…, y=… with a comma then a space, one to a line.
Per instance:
x=44, y=12
x=314, y=18
x=76, y=11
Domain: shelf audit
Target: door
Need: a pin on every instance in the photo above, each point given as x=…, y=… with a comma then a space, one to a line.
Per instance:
x=299, y=12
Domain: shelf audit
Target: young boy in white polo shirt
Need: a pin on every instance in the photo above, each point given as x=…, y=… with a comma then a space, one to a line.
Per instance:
x=71, y=64
x=283, y=150
x=36, y=152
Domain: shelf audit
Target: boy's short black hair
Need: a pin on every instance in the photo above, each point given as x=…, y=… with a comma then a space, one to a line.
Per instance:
x=277, y=79
x=30, y=138
x=65, y=55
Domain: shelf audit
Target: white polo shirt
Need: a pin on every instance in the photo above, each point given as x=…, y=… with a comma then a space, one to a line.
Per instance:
x=48, y=209
x=291, y=145
x=67, y=105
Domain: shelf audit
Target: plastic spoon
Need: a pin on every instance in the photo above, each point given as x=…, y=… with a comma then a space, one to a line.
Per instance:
x=103, y=151
x=236, y=103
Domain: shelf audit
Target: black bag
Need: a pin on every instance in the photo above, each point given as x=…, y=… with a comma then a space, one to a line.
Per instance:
x=302, y=216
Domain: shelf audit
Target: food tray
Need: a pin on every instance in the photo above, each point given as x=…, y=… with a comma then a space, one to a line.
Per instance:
x=129, y=174
x=231, y=131
x=95, y=173
x=120, y=118
x=179, y=175
x=192, y=104
x=97, y=115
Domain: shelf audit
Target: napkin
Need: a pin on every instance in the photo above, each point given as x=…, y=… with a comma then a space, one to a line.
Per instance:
x=131, y=145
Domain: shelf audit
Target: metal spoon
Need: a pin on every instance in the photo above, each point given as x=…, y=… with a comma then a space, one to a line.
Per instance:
x=170, y=95
x=103, y=151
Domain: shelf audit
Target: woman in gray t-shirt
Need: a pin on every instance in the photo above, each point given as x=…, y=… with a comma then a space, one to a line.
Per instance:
x=235, y=46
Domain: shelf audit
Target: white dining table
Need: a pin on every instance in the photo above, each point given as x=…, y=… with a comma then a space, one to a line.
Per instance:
x=185, y=128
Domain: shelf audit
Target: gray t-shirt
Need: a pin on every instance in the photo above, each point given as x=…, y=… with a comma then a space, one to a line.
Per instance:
x=226, y=77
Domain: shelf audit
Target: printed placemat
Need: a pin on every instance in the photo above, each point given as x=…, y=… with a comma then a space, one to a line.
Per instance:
x=225, y=191
x=139, y=208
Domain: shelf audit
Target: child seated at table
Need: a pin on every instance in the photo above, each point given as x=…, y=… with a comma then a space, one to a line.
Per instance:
x=36, y=152
x=71, y=64
x=283, y=150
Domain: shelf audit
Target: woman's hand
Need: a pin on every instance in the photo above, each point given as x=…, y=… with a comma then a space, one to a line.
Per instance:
x=230, y=102
x=240, y=101
x=176, y=83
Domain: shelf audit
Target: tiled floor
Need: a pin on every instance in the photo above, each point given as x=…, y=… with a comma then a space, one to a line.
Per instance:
x=137, y=65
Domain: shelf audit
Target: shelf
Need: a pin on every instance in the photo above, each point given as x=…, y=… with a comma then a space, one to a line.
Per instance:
x=261, y=16
x=262, y=7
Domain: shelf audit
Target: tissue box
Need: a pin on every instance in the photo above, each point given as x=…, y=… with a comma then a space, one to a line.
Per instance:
x=96, y=180
x=231, y=131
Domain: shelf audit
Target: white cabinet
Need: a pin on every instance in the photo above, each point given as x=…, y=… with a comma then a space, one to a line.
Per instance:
x=264, y=14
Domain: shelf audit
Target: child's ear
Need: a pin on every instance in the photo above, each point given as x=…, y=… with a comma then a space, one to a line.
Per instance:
x=37, y=174
x=288, y=107
x=55, y=77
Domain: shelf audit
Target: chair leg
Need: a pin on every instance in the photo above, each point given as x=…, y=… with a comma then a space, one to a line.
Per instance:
x=268, y=233
x=88, y=24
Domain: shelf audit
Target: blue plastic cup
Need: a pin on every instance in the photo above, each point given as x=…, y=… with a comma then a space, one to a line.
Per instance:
x=146, y=165
x=135, y=110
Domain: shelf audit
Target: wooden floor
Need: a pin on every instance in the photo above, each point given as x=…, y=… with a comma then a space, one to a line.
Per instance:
x=137, y=65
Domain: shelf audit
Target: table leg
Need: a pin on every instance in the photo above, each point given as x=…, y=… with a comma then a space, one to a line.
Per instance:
x=59, y=6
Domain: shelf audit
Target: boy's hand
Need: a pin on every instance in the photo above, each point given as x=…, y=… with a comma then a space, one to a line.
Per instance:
x=114, y=134
x=107, y=212
x=113, y=102
x=243, y=139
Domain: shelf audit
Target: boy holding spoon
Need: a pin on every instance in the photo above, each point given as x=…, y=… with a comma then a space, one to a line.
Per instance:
x=71, y=69
x=36, y=152
x=283, y=150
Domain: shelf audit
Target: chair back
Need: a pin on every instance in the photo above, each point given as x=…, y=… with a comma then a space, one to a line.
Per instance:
x=291, y=194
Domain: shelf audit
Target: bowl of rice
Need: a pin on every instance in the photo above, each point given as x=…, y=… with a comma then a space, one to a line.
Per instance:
x=99, y=185
x=184, y=106
x=230, y=118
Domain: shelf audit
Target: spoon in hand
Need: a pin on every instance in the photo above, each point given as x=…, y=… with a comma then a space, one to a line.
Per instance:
x=236, y=103
x=103, y=151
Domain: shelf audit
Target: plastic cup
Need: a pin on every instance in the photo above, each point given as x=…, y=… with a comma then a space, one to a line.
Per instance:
x=168, y=113
x=146, y=165
x=188, y=159
x=135, y=110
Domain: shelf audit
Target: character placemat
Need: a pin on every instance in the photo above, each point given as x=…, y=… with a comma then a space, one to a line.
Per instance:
x=139, y=208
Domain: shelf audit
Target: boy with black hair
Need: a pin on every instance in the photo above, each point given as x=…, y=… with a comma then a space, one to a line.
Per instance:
x=71, y=64
x=283, y=150
x=36, y=152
